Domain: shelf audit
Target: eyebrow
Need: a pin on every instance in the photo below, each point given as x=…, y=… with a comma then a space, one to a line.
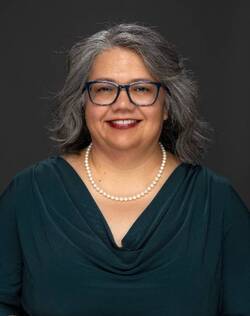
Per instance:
x=133, y=80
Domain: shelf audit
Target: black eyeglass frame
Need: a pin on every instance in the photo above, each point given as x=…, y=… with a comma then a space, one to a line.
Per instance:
x=126, y=87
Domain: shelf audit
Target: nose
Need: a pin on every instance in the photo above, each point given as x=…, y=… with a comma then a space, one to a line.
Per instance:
x=123, y=100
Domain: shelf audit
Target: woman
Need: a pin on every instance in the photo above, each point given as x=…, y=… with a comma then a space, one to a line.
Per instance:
x=125, y=220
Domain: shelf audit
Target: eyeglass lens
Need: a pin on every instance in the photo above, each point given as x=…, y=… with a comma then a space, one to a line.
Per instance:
x=140, y=93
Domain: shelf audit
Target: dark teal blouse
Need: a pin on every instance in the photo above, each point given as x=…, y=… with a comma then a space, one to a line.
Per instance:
x=187, y=254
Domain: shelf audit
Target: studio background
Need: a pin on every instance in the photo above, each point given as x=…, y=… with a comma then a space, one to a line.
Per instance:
x=212, y=35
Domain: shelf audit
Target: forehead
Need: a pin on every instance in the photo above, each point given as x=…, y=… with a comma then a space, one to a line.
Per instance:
x=120, y=64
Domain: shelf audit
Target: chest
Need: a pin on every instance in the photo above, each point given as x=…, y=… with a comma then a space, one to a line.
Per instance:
x=120, y=216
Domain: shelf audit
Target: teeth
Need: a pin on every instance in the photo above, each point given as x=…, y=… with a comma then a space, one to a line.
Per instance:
x=124, y=121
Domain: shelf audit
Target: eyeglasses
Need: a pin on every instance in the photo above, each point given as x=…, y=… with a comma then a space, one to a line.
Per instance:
x=140, y=93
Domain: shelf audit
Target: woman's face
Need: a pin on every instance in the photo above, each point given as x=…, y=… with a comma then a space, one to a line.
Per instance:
x=123, y=66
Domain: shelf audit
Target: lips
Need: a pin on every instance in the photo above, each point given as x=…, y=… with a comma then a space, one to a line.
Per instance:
x=123, y=123
x=123, y=119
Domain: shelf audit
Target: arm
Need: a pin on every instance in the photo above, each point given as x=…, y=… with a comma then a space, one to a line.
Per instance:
x=236, y=257
x=10, y=254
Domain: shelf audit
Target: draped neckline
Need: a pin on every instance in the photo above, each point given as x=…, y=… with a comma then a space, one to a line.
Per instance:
x=77, y=189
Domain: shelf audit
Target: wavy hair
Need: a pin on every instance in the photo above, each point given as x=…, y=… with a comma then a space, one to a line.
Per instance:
x=184, y=133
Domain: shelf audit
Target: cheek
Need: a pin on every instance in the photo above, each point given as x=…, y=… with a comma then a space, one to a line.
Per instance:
x=90, y=117
x=93, y=116
x=91, y=112
x=156, y=120
x=156, y=114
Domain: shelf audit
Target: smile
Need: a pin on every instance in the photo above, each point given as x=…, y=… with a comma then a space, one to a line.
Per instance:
x=123, y=124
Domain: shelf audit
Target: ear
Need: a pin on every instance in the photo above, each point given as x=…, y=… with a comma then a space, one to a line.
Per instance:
x=165, y=113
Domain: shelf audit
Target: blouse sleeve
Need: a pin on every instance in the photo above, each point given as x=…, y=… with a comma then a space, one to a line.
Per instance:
x=10, y=254
x=236, y=257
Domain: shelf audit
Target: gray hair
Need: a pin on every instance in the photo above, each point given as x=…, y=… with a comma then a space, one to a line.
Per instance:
x=184, y=133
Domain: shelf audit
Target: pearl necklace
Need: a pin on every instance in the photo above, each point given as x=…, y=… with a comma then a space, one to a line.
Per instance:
x=125, y=198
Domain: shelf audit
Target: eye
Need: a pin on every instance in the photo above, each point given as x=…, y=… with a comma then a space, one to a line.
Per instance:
x=98, y=88
x=103, y=89
x=141, y=89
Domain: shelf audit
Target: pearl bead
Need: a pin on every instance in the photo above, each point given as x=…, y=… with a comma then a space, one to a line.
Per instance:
x=125, y=198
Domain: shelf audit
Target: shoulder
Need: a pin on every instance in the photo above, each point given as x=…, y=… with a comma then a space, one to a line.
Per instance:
x=210, y=184
x=200, y=171
x=23, y=179
x=218, y=194
x=27, y=188
x=210, y=173
x=222, y=189
x=222, y=184
x=210, y=176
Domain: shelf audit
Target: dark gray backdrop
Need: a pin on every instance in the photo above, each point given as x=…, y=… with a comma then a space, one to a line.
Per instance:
x=213, y=35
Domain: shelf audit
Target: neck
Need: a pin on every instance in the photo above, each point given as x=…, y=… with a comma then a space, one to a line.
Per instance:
x=119, y=166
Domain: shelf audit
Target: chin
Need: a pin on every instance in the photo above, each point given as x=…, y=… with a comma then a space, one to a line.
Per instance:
x=123, y=144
